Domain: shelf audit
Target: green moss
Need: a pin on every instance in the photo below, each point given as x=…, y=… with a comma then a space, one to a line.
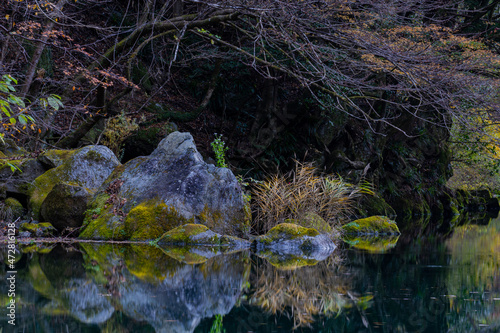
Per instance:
x=56, y=157
x=15, y=207
x=44, y=229
x=286, y=231
x=41, y=188
x=371, y=225
x=151, y=219
x=182, y=235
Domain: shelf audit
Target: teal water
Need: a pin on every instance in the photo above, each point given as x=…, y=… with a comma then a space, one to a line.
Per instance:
x=432, y=284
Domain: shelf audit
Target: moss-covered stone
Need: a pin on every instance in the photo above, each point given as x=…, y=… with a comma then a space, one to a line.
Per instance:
x=55, y=157
x=374, y=244
x=374, y=225
x=151, y=219
x=286, y=231
x=15, y=207
x=187, y=235
x=44, y=229
x=88, y=167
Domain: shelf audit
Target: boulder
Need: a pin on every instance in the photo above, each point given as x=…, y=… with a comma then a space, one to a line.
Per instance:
x=287, y=239
x=65, y=206
x=149, y=196
x=373, y=225
x=88, y=167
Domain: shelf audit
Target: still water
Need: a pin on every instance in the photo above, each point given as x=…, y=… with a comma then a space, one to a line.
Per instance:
x=432, y=284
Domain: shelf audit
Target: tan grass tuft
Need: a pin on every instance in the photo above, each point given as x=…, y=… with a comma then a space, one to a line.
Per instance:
x=303, y=191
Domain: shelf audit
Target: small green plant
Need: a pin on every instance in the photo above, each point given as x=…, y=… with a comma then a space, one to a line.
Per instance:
x=217, y=325
x=219, y=148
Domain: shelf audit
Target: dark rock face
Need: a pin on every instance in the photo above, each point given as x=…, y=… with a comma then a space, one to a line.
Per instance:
x=65, y=206
x=171, y=187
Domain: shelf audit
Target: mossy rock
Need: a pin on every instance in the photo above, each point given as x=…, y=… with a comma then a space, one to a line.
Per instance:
x=371, y=244
x=314, y=221
x=44, y=229
x=151, y=219
x=55, y=157
x=12, y=208
x=286, y=231
x=373, y=225
x=173, y=186
x=88, y=167
x=190, y=234
x=65, y=206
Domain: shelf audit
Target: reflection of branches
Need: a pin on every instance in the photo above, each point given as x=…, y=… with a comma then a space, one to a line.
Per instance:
x=302, y=293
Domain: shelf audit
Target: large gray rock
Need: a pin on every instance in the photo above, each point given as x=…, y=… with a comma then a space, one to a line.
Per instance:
x=88, y=167
x=65, y=206
x=149, y=196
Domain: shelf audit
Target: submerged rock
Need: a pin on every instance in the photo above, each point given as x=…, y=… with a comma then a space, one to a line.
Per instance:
x=373, y=225
x=88, y=167
x=291, y=239
x=149, y=196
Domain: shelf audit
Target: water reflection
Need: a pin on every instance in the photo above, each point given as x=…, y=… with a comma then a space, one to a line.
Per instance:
x=432, y=284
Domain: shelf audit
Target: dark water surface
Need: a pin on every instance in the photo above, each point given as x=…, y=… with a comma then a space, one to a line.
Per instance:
x=434, y=284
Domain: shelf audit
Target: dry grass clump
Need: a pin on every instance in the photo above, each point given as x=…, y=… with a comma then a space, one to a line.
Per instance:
x=303, y=191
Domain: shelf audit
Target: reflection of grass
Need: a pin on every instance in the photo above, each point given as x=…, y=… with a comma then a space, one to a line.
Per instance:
x=374, y=244
x=303, y=292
